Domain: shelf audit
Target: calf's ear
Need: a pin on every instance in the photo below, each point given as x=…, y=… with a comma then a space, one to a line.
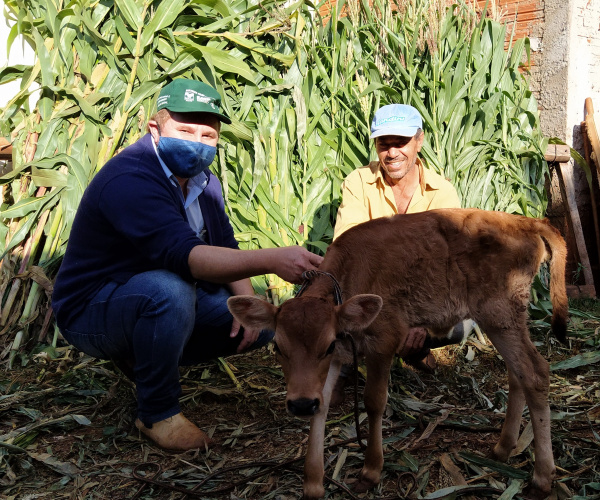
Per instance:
x=252, y=312
x=358, y=312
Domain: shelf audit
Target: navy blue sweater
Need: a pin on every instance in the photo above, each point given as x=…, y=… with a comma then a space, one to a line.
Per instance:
x=131, y=219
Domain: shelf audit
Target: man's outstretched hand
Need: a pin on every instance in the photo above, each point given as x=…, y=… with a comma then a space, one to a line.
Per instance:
x=293, y=261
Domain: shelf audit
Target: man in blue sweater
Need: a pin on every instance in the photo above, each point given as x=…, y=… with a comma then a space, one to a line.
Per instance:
x=152, y=260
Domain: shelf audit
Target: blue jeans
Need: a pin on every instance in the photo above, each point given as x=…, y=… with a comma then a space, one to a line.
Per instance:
x=157, y=322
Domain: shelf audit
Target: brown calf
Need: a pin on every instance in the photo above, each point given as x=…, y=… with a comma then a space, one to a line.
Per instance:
x=431, y=269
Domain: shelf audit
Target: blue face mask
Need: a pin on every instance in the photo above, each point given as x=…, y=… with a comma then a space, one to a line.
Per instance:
x=185, y=159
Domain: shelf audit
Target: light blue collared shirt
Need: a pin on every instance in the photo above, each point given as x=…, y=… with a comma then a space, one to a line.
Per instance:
x=195, y=187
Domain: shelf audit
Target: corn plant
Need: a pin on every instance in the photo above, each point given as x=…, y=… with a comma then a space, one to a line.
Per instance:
x=480, y=117
x=301, y=91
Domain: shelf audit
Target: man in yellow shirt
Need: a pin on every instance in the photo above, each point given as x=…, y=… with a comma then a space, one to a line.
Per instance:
x=397, y=183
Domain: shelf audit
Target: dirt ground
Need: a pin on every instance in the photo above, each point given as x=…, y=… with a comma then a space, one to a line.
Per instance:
x=67, y=430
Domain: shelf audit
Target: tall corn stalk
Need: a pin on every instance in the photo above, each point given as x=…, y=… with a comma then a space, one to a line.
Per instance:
x=301, y=91
x=481, y=118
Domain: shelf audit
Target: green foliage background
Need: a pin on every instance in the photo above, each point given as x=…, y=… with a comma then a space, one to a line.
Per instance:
x=301, y=90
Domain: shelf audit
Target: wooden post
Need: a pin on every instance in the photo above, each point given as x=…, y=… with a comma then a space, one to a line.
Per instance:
x=567, y=187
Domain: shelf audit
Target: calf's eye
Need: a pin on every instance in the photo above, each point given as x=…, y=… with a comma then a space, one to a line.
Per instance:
x=330, y=348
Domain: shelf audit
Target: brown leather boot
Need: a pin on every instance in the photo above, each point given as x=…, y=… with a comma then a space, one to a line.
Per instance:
x=175, y=433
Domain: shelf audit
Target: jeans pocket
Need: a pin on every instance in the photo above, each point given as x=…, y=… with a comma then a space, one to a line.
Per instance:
x=97, y=345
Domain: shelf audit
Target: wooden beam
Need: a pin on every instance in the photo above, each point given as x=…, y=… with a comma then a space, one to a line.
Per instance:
x=567, y=187
x=587, y=149
x=581, y=292
x=592, y=134
x=557, y=152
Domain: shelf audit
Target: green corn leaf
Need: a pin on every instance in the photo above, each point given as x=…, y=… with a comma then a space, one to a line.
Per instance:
x=226, y=63
x=22, y=233
x=505, y=470
x=48, y=178
x=22, y=208
x=258, y=48
x=125, y=35
x=586, y=358
x=221, y=7
x=144, y=91
x=131, y=13
x=12, y=73
x=164, y=16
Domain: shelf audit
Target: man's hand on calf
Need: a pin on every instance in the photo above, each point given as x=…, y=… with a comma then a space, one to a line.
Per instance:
x=293, y=261
x=413, y=345
x=250, y=335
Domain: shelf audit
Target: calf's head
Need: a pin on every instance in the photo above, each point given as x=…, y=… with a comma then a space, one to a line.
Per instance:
x=306, y=332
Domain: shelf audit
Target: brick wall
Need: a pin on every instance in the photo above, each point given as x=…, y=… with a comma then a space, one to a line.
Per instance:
x=529, y=15
x=526, y=18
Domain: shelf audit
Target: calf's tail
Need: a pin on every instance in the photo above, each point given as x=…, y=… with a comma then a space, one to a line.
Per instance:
x=557, y=250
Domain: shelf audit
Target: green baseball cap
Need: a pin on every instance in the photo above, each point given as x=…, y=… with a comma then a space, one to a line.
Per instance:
x=191, y=96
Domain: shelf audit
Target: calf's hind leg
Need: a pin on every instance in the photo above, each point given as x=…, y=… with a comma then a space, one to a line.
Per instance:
x=512, y=424
x=529, y=370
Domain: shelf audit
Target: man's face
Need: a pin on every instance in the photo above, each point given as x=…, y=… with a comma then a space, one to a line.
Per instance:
x=196, y=127
x=398, y=154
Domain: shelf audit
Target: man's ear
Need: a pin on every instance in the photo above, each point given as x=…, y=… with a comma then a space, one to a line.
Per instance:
x=154, y=130
x=358, y=312
x=420, y=139
x=252, y=312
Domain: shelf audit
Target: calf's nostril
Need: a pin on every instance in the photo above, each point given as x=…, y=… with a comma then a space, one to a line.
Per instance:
x=303, y=407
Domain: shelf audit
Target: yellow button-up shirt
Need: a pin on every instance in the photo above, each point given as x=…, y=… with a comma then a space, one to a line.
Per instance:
x=366, y=196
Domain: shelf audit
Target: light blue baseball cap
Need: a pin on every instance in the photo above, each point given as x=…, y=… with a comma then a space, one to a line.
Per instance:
x=396, y=119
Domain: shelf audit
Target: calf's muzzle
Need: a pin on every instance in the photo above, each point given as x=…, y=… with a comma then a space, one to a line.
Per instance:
x=303, y=407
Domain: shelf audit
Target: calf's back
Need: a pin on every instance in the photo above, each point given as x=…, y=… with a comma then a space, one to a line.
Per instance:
x=436, y=268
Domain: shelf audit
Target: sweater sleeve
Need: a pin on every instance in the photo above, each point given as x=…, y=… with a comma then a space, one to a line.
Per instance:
x=149, y=216
x=213, y=210
x=226, y=229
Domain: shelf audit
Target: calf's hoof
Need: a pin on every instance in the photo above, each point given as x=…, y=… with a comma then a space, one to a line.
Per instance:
x=313, y=491
x=500, y=453
x=368, y=479
x=363, y=486
x=533, y=492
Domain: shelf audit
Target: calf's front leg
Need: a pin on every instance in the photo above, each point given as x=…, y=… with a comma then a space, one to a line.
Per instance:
x=378, y=373
x=313, y=463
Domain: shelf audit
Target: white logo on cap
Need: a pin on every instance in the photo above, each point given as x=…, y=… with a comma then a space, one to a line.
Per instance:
x=191, y=94
x=391, y=119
